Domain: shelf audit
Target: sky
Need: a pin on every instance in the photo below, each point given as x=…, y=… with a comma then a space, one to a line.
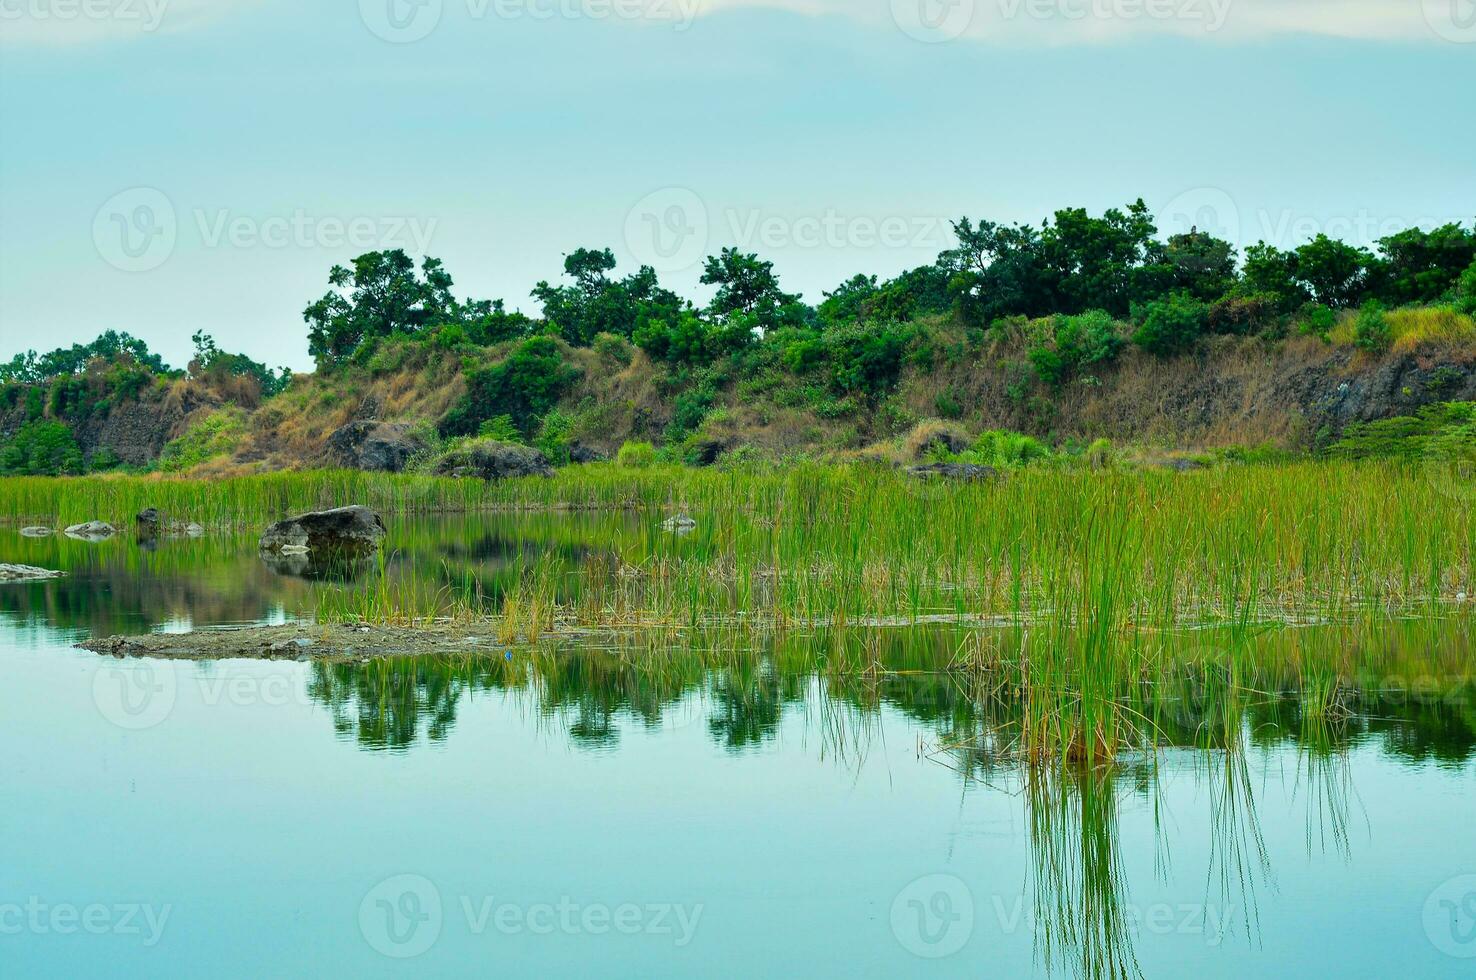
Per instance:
x=168, y=166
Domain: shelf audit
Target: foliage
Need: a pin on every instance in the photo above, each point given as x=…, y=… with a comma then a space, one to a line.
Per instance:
x=499, y=428
x=1171, y=325
x=41, y=448
x=1006, y=450
x=215, y=435
x=636, y=455
x=111, y=346
x=380, y=296
x=1074, y=343
x=210, y=363
x=524, y=386
x=596, y=304
x=1442, y=430
x=1371, y=332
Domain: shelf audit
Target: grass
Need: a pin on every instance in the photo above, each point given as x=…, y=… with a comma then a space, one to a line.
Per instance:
x=1077, y=587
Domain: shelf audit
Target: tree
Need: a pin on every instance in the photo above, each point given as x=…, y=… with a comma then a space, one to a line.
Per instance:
x=1422, y=266
x=41, y=448
x=597, y=304
x=1202, y=265
x=524, y=387
x=381, y=295
x=746, y=285
x=1332, y=271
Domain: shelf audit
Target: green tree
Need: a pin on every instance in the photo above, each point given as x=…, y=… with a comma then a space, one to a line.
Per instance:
x=41, y=448
x=524, y=387
x=381, y=295
x=1335, y=273
x=747, y=286
x=1170, y=325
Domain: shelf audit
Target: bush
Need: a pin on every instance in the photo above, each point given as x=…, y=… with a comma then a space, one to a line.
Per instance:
x=523, y=387
x=612, y=347
x=41, y=448
x=1446, y=430
x=553, y=437
x=636, y=455
x=1371, y=331
x=215, y=435
x=1316, y=320
x=1073, y=343
x=1099, y=454
x=934, y=437
x=1006, y=450
x=499, y=428
x=1170, y=326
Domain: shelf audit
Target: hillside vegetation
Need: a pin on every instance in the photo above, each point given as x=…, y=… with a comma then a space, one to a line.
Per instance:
x=1082, y=329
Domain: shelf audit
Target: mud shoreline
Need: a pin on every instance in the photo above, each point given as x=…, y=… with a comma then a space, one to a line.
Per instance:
x=346, y=642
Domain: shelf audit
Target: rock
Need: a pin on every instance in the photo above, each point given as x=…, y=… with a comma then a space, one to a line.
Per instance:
x=35, y=532
x=1180, y=465
x=26, y=573
x=152, y=524
x=91, y=531
x=706, y=452
x=680, y=524
x=366, y=444
x=344, y=531
x=587, y=454
x=968, y=472
x=494, y=461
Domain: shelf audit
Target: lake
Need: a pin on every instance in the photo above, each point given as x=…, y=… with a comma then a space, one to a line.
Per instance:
x=695, y=804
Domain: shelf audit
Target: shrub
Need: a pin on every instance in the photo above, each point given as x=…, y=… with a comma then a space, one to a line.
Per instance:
x=1006, y=450
x=215, y=435
x=612, y=347
x=1099, y=454
x=1445, y=429
x=1072, y=343
x=1170, y=326
x=1371, y=331
x=636, y=455
x=934, y=437
x=553, y=437
x=1316, y=320
x=41, y=448
x=523, y=387
x=499, y=428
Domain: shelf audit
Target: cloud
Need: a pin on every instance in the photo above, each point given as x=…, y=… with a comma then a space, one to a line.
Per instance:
x=71, y=22
x=1055, y=22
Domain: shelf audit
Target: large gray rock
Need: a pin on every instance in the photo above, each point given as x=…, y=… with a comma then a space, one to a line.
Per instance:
x=91, y=531
x=378, y=446
x=344, y=531
x=26, y=573
x=152, y=523
x=494, y=461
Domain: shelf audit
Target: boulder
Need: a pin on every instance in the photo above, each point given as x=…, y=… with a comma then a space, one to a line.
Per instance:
x=967, y=472
x=343, y=531
x=91, y=531
x=366, y=444
x=26, y=573
x=494, y=461
x=1180, y=465
x=587, y=454
x=35, y=532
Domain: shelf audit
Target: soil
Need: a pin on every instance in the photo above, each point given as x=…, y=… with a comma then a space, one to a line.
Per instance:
x=306, y=642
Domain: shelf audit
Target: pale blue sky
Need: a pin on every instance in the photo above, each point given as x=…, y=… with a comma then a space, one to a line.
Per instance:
x=184, y=164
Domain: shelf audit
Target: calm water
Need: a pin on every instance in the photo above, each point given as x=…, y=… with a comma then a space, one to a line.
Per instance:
x=577, y=810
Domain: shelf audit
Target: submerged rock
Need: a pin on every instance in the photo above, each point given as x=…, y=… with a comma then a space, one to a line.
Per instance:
x=343, y=531
x=494, y=461
x=680, y=524
x=152, y=523
x=26, y=573
x=35, y=532
x=91, y=531
x=377, y=446
x=968, y=472
x=587, y=454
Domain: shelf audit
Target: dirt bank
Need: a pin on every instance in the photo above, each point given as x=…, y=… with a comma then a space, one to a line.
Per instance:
x=312, y=642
